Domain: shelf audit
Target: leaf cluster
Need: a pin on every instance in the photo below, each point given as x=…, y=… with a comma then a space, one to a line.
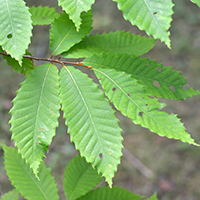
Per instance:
x=128, y=81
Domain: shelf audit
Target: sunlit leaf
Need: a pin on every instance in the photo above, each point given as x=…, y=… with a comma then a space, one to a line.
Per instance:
x=63, y=33
x=25, y=181
x=130, y=98
x=152, y=16
x=196, y=1
x=158, y=80
x=79, y=178
x=35, y=113
x=91, y=122
x=74, y=8
x=105, y=193
x=118, y=42
x=15, y=31
x=13, y=194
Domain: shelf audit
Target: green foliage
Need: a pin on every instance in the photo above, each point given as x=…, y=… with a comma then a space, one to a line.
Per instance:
x=126, y=80
x=63, y=33
x=13, y=194
x=79, y=178
x=152, y=16
x=35, y=113
x=91, y=122
x=74, y=8
x=111, y=194
x=118, y=42
x=15, y=31
x=25, y=181
x=197, y=2
x=43, y=15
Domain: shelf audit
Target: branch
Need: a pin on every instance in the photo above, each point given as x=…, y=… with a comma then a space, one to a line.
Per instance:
x=50, y=60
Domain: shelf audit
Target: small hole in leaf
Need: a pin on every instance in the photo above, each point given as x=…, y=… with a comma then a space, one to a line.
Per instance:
x=9, y=36
x=156, y=84
x=155, y=13
x=186, y=86
x=159, y=69
x=140, y=114
x=114, y=89
x=128, y=95
x=172, y=88
x=100, y=155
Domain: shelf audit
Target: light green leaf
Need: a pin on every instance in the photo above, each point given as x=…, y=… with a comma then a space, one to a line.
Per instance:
x=74, y=8
x=130, y=98
x=105, y=193
x=91, y=122
x=158, y=80
x=152, y=16
x=118, y=42
x=79, y=178
x=35, y=113
x=154, y=197
x=63, y=33
x=25, y=181
x=196, y=1
x=13, y=194
x=15, y=28
x=43, y=15
x=27, y=64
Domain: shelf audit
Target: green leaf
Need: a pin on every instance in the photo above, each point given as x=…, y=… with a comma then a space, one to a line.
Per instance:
x=196, y=1
x=91, y=122
x=35, y=113
x=74, y=8
x=158, y=80
x=25, y=181
x=63, y=34
x=105, y=193
x=27, y=64
x=118, y=42
x=79, y=178
x=154, y=197
x=15, y=28
x=130, y=98
x=43, y=15
x=154, y=17
x=13, y=194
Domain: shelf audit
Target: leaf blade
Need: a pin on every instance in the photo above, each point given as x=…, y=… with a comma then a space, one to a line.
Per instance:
x=91, y=122
x=130, y=98
x=74, y=8
x=146, y=71
x=63, y=33
x=111, y=194
x=25, y=181
x=35, y=114
x=43, y=15
x=118, y=42
x=15, y=28
x=79, y=178
x=152, y=16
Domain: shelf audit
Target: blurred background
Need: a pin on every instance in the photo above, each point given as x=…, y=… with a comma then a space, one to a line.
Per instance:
x=150, y=162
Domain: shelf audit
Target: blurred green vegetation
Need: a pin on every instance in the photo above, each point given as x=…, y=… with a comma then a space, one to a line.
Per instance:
x=175, y=165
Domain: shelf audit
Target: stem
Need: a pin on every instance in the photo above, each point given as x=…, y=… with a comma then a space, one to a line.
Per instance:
x=51, y=60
